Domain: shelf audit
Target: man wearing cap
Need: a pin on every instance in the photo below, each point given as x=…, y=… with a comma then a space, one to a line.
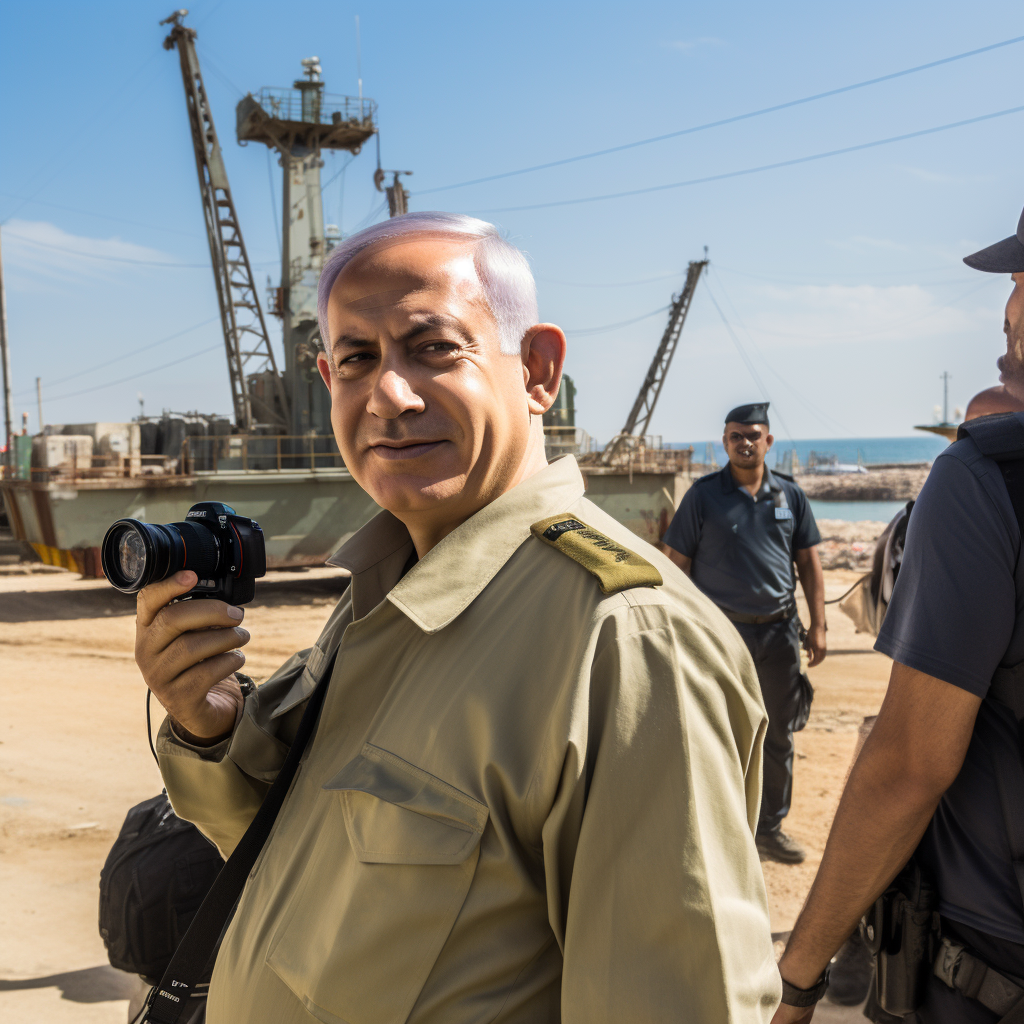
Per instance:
x=940, y=781
x=737, y=533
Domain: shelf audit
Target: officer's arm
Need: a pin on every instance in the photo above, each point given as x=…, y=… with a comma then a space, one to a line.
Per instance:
x=808, y=567
x=654, y=887
x=911, y=757
x=680, y=559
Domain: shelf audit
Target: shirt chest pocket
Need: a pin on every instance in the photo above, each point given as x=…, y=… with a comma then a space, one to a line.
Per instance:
x=383, y=888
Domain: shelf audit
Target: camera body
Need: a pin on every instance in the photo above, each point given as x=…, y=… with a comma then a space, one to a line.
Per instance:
x=225, y=550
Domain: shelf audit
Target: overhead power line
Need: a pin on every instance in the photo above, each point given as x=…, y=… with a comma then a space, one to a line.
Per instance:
x=759, y=169
x=727, y=120
x=135, y=376
x=120, y=358
x=614, y=327
x=120, y=259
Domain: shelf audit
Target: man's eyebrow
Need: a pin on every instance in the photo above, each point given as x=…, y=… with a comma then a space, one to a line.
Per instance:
x=423, y=323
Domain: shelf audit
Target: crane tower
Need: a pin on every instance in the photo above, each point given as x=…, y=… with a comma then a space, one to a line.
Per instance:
x=249, y=353
x=640, y=415
x=300, y=123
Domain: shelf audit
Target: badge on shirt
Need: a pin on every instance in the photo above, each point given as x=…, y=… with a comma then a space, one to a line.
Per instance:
x=783, y=513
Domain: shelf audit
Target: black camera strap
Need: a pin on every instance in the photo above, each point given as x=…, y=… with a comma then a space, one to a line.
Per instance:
x=168, y=1002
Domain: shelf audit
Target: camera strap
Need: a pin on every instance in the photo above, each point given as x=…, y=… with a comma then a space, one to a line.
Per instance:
x=169, y=1001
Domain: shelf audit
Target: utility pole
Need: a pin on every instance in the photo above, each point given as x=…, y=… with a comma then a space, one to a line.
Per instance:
x=5, y=355
x=945, y=396
x=39, y=401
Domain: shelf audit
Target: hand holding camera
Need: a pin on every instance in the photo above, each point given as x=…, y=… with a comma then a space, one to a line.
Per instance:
x=187, y=648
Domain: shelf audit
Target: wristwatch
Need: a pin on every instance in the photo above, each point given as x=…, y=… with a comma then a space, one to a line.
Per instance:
x=793, y=996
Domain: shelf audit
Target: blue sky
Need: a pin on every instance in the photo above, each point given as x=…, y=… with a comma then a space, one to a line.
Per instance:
x=839, y=278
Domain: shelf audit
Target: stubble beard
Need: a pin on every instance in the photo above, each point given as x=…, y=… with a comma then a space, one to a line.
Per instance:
x=1011, y=365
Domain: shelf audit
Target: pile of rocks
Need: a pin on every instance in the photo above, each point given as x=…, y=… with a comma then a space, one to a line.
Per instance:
x=846, y=545
x=896, y=483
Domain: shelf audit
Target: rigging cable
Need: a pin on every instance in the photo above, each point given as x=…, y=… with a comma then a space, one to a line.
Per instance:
x=613, y=327
x=728, y=120
x=747, y=361
x=806, y=402
x=759, y=169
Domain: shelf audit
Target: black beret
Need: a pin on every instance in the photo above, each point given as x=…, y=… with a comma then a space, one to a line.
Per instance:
x=756, y=412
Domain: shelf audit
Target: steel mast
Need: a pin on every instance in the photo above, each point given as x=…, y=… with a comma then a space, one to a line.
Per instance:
x=246, y=341
x=643, y=408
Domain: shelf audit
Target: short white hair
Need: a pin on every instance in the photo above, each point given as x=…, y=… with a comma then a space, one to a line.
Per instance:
x=504, y=272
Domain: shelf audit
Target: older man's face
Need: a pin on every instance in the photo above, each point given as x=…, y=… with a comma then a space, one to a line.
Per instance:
x=428, y=413
x=1011, y=365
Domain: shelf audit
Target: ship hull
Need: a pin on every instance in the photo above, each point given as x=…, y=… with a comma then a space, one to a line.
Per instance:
x=304, y=515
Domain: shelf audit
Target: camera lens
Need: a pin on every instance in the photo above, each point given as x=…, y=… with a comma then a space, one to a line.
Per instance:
x=131, y=553
x=136, y=554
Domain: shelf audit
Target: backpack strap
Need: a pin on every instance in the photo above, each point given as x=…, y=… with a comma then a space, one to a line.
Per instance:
x=168, y=1002
x=1000, y=436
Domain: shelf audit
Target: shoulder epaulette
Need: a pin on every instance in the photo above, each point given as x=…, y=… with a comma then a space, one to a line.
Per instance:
x=707, y=476
x=783, y=476
x=999, y=436
x=616, y=568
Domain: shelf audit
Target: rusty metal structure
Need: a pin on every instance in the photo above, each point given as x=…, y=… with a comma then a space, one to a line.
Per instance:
x=247, y=344
x=631, y=439
x=300, y=124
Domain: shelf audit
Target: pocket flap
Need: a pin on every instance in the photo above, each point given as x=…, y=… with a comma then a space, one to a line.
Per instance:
x=396, y=813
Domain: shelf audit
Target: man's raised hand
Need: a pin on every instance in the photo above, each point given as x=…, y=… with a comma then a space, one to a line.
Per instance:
x=188, y=656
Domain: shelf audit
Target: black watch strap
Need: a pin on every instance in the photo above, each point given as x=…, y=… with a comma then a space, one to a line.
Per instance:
x=793, y=996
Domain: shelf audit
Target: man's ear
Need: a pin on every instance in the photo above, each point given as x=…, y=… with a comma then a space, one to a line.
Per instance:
x=543, y=352
x=325, y=368
x=769, y=440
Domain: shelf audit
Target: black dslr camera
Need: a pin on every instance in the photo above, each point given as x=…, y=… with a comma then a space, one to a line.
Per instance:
x=225, y=550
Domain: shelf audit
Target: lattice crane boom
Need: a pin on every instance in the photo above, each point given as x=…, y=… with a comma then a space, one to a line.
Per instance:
x=639, y=418
x=246, y=342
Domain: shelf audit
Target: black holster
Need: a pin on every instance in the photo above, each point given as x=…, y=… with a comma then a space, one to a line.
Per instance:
x=902, y=932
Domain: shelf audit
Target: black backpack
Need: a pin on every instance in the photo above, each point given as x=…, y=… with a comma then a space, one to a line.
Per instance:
x=156, y=875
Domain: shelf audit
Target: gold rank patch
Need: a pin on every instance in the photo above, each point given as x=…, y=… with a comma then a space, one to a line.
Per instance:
x=616, y=568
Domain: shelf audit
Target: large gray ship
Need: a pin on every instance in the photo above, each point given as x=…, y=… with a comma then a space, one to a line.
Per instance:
x=276, y=460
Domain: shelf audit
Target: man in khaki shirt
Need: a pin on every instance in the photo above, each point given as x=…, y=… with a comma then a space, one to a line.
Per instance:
x=532, y=790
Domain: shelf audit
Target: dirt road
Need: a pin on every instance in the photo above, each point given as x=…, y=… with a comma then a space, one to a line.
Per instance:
x=74, y=758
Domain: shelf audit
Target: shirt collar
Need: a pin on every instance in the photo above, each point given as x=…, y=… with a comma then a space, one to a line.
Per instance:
x=442, y=584
x=768, y=483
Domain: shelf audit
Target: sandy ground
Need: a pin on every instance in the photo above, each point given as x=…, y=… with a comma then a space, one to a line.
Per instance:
x=74, y=758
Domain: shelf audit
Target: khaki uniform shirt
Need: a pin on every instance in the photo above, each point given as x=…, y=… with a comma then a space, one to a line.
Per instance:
x=526, y=801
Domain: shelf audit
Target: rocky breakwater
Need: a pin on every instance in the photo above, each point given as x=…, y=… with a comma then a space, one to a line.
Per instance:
x=846, y=545
x=879, y=483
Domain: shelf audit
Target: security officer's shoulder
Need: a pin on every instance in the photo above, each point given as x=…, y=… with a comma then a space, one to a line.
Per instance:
x=615, y=566
x=783, y=476
x=999, y=436
x=707, y=478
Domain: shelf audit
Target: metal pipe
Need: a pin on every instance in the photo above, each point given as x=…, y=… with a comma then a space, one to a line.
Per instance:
x=5, y=355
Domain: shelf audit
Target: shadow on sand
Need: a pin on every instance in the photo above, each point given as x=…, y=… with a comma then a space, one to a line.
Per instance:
x=91, y=985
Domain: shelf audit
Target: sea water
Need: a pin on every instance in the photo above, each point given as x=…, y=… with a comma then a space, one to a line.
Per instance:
x=918, y=448
x=869, y=450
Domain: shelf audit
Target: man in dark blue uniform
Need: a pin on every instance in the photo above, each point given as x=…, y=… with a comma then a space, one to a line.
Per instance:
x=737, y=534
x=940, y=778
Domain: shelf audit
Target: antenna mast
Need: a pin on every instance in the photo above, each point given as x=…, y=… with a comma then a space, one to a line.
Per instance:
x=246, y=341
x=643, y=408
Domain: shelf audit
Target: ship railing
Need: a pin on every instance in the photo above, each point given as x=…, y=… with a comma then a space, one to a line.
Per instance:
x=260, y=453
x=98, y=467
x=287, y=105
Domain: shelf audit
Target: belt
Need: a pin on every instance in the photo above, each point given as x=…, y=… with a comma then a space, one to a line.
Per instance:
x=759, y=620
x=976, y=980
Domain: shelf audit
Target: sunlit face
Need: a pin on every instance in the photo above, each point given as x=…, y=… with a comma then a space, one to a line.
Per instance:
x=747, y=444
x=428, y=413
x=1011, y=365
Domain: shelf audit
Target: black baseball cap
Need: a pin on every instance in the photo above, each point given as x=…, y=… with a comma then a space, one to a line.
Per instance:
x=748, y=415
x=1005, y=257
